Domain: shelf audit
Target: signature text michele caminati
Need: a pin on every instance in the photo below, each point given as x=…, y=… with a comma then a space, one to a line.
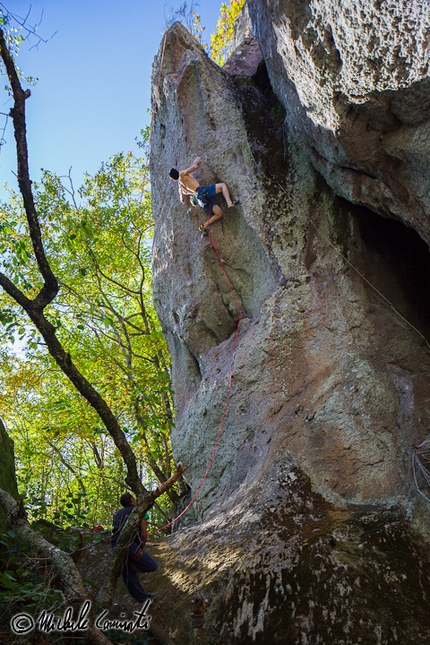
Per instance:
x=49, y=621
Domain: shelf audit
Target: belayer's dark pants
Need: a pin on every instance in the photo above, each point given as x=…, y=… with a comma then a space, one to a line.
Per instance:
x=146, y=564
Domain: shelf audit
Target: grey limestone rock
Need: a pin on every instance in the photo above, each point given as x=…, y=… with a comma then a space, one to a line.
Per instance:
x=354, y=79
x=310, y=488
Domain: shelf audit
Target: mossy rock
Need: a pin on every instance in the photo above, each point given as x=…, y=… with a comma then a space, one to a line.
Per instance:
x=7, y=470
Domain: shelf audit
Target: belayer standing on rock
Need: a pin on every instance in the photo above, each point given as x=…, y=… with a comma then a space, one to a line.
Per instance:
x=205, y=195
x=137, y=560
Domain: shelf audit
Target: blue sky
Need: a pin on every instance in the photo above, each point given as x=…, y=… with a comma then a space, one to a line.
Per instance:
x=93, y=92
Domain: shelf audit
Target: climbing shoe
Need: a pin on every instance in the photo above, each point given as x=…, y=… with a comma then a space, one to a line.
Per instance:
x=202, y=230
x=234, y=203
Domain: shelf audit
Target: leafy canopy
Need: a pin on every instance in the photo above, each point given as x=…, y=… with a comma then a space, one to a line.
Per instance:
x=99, y=242
x=222, y=40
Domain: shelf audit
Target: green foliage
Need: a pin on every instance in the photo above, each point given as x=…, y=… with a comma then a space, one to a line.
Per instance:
x=14, y=32
x=222, y=40
x=98, y=240
x=23, y=580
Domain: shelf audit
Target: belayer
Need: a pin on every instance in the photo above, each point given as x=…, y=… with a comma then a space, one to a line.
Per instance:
x=137, y=560
x=189, y=187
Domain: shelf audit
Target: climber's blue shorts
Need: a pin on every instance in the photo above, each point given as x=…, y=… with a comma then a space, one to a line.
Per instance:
x=206, y=196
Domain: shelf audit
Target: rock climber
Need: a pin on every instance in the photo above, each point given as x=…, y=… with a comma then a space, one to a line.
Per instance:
x=189, y=187
x=137, y=560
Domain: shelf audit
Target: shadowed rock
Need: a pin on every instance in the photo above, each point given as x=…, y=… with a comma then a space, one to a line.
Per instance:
x=7, y=471
x=354, y=79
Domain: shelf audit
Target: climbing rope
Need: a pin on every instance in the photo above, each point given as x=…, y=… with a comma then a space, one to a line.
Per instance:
x=229, y=389
x=221, y=263
x=337, y=250
x=220, y=431
x=370, y=284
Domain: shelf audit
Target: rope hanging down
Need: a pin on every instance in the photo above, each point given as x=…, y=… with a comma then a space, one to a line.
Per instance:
x=241, y=315
x=229, y=390
x=354, y=268
x=221, y=263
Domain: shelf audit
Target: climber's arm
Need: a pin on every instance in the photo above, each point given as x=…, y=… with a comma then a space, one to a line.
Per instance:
x=185, y=199
x=192, y=168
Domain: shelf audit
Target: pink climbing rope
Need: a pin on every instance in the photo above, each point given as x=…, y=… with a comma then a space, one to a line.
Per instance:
x=229, y=391
x=221, y=263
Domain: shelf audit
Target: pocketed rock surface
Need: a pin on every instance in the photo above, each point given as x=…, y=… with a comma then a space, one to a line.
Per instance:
x=309, y=527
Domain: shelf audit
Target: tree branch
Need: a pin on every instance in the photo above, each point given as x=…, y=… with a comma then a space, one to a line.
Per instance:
x=64, y=361
x=126, y=537
x=180, y=469
x=67, y=465
x=62, y=563
x=50, y=288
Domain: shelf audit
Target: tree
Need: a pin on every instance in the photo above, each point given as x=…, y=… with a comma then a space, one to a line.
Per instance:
x=187, y=15
x=222, y=39
x=100, y=248
x=35, y=291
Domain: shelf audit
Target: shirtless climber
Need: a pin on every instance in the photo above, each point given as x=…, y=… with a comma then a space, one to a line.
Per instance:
x=189, y=187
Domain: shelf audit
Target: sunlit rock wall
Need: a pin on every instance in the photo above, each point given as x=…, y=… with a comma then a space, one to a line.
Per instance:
x=331, y=373
x=322, y=364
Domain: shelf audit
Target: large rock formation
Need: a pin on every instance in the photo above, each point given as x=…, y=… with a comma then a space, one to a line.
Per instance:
x=355, y=80
x=308, y=527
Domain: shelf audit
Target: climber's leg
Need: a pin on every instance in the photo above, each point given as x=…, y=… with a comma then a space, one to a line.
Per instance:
x=217, y=214
x=222, y=188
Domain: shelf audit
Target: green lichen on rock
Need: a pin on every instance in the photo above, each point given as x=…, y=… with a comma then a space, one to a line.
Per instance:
x=7, y=470
x=298, y=570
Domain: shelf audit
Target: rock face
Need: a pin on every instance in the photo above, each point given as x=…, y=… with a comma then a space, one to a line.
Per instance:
x=308, y=526
x=7, y=470
x=354, y=77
